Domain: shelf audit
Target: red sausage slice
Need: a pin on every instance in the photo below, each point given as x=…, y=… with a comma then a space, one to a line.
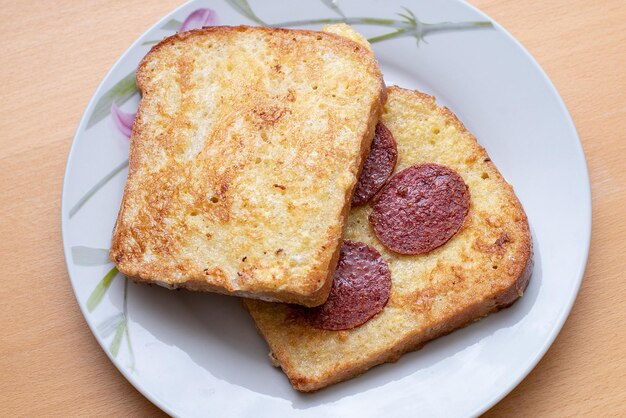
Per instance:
x=377, y=167
x=360, y=289
x=420, y=209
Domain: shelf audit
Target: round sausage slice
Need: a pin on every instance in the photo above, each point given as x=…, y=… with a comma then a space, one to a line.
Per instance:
x=420, y=209
x=360, y=289
x=377, y=167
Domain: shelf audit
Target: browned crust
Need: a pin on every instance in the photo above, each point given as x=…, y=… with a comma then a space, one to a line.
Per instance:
x=454, y=321
x=316, y=287
x=501, y=297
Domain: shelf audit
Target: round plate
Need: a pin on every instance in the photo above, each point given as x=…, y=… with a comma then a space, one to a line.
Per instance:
x=199, y=354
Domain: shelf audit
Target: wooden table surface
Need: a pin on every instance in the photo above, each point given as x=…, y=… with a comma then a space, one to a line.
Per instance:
x=54, y=54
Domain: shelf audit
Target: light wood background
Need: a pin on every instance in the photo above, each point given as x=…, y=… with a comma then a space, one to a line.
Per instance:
x=54, y=54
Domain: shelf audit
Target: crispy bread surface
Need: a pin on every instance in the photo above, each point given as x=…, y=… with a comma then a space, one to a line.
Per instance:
x=483, y=268
x=245, y=151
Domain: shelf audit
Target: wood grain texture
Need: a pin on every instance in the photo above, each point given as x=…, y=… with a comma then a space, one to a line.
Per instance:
x=55, y=55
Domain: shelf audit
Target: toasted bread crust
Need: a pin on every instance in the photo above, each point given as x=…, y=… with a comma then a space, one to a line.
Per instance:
x=171, y=232
x=483, y=269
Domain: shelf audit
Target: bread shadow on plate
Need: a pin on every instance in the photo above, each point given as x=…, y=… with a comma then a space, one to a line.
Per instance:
x=219, y=336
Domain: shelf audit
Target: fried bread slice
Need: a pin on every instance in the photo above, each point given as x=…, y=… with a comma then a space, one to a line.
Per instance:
x=483, y=268
x=244, y=154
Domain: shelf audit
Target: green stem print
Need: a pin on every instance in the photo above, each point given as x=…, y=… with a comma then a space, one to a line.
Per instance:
x=171, y=24
x=334, y=6
x=117, y=324
x=104, y=180
x=244, y=9
x=100, y=290
x=120, y=93
x=408, y=26
x=122, y=330
x=114, y=348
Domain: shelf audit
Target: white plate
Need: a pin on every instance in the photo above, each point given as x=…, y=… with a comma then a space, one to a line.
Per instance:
x=199, y=355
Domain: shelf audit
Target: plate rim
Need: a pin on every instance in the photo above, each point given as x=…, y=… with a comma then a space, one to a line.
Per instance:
x=585, y=189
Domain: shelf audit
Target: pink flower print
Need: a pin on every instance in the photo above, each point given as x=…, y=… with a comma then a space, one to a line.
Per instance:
x=199, y=18
x=123, y=121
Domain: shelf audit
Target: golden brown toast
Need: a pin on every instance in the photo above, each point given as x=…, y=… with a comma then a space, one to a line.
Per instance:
x=483, y=268
x=244, y=155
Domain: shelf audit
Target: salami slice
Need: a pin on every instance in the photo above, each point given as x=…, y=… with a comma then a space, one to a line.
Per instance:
x=420, y=209
x=377, y=167
x=360, y=289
